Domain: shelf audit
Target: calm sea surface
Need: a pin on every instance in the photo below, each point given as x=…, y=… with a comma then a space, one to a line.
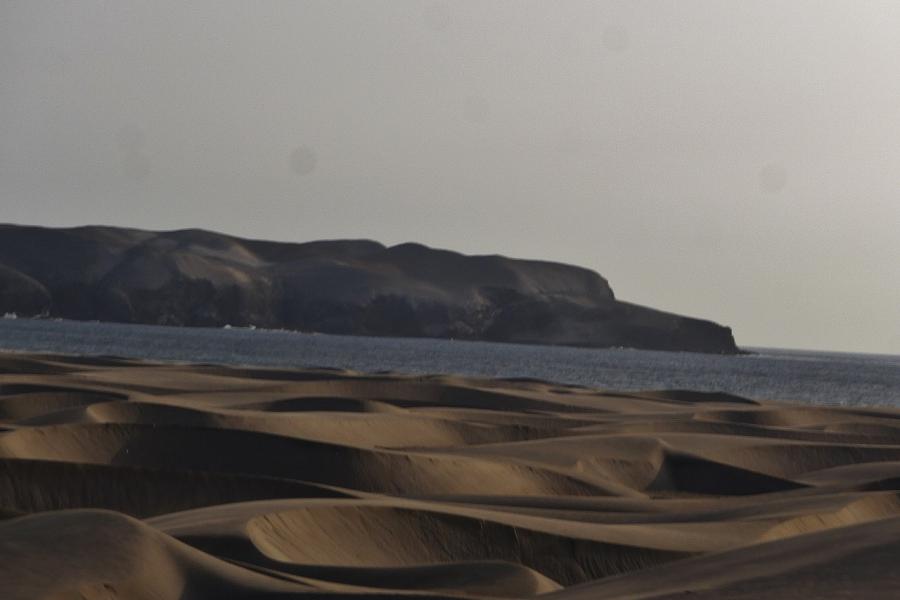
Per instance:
x=811, y=377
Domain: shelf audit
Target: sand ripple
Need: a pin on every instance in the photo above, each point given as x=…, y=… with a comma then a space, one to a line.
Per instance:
x=125, y=479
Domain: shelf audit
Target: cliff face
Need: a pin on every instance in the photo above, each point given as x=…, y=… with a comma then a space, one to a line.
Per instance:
x=200, y=278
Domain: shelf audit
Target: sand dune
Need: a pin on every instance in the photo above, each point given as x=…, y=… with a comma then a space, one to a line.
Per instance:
x=129, y=479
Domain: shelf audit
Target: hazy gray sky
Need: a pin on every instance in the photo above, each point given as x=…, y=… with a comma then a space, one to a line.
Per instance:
x=738, y=161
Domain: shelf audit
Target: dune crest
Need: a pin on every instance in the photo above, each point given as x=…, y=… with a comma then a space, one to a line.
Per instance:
x=131, y=479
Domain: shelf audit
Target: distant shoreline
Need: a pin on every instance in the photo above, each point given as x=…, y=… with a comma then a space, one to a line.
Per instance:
x=793, y=376
x=359, y=287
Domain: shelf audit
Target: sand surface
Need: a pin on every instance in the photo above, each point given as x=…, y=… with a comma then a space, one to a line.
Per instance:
x=130, y=479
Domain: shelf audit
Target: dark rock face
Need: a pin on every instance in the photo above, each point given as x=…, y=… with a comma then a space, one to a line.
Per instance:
x=200, y=278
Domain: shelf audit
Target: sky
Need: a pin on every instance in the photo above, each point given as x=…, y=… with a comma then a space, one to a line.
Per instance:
x=735, y=161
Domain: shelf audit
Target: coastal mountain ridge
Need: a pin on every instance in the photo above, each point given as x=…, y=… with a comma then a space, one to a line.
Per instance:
x=195, y=277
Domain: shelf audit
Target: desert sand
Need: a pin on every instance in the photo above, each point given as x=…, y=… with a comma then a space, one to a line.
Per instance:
x=132, y=479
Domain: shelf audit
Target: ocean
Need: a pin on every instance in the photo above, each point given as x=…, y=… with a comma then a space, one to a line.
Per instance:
x=824, y=378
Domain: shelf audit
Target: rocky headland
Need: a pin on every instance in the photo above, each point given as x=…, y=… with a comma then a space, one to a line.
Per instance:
x=358, y=287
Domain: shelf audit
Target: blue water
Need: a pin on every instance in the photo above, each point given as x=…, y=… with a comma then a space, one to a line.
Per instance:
x=803, y=376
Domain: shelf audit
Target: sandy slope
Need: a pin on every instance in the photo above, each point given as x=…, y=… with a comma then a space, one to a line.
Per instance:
x=126, y=479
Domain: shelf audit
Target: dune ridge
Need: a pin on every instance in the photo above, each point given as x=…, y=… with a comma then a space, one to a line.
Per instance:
x=130, y=479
